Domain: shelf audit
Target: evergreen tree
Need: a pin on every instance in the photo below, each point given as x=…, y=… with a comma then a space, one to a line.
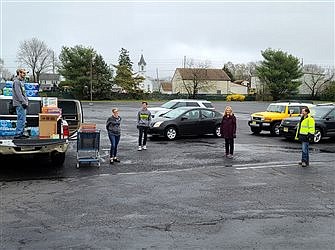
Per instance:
x=280, y=72
x=79, y=65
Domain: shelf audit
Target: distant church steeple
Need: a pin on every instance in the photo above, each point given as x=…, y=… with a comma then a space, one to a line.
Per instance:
x=141, y=64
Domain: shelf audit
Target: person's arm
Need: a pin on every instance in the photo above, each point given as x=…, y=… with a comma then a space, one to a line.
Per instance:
x=108, y=123
x=234, y=126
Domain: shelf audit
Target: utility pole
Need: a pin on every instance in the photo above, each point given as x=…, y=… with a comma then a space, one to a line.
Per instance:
x=91, y=80
x=184, y=62
x=158, y=82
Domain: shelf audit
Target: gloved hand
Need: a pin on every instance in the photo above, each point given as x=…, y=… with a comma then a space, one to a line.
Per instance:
x=310, y=137
x=24, y=106
x=234, y=135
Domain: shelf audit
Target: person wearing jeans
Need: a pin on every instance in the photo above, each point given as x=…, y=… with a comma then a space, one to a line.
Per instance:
x=143, y=123
x=20, y=102
x=305, y=133
x=114, y=133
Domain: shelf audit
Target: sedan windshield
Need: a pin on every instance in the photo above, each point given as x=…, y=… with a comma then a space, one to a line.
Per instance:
x=168, y=105
x=175, y=113
x=276, y=108
x=319, y=112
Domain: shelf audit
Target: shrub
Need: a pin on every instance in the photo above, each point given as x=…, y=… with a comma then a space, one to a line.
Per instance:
x=235, y=97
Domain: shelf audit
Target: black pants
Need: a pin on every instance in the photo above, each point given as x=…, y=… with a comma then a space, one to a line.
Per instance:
x=229, y=145
x=142, y=132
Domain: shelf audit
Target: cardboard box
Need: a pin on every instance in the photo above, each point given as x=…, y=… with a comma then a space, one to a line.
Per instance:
x=47, y=125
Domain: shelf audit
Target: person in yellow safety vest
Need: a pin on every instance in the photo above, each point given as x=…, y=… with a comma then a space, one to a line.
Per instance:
x=305, y=133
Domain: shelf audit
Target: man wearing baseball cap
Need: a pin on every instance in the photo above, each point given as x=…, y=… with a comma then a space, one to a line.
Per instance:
x=20, y=102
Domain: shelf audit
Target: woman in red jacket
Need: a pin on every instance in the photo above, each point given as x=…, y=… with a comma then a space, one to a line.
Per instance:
x=228, y=130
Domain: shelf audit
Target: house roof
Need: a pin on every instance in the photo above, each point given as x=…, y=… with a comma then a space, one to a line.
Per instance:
x=166, y=86
x=49, y=77
x=205, y=74
x=142, y=61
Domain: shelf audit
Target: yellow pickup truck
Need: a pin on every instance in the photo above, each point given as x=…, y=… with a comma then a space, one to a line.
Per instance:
x=270, y=119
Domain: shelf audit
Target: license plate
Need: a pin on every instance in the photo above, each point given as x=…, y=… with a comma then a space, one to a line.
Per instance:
x=285, y=129
x=254, y=124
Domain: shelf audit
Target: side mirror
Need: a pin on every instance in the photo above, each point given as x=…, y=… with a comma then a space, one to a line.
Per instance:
x=291, y=112
x=184, y=118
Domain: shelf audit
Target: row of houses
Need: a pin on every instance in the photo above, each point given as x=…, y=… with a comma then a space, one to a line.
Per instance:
x=205, y=80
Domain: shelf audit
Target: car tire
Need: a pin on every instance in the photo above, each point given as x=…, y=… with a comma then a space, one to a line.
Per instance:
x=255, y=131
x=171, y=133
x=318, y=135
x=217, y=131
x=274, y=130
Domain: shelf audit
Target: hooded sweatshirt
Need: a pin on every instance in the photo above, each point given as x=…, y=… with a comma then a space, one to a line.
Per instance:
x=18, y=93
x=143, y=118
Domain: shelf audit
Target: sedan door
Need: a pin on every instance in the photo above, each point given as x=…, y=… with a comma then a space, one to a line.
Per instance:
x=189, y=122
x=207, y=122
x=330, y=123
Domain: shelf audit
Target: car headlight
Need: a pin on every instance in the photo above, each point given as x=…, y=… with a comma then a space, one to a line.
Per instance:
x=157, y=124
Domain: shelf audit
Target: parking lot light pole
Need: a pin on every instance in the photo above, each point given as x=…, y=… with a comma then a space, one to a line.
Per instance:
x=91, y=79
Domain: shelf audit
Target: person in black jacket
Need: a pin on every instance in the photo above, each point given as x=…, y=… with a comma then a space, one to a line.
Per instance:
x=228, y=130
x=114, y=133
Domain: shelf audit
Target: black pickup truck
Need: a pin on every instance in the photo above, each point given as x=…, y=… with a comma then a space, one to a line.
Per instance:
x=55, y=149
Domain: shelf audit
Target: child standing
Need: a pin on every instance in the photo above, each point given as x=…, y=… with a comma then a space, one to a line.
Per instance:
x=114, y=134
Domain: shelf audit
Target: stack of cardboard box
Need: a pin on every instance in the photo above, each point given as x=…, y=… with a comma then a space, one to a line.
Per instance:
x=49, y=118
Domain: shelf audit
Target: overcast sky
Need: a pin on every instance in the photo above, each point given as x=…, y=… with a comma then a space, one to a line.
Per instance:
x=167, y=31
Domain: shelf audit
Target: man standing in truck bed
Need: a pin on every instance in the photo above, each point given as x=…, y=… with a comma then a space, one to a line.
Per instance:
x=20, y=102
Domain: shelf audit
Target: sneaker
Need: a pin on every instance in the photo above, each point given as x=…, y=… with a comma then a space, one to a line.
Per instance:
x=116, y=159
x=139, y=148
x=303, y=164
x=230, y=156
x=144, y=147
x=111, y=161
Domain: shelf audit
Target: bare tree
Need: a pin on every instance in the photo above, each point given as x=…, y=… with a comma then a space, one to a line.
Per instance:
x=37, y=56
x=316, y=78
x=241, y=71
x=4, y=73
x=196, y=78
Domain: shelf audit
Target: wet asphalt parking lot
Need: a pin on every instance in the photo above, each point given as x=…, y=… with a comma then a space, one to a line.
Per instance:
x=177, y=194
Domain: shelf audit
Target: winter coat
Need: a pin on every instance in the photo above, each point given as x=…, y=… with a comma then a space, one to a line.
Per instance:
x=228, y=127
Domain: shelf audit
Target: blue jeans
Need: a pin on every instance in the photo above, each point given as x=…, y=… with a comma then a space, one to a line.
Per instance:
x=305, y=152
x=114, y=139
x=21, y=120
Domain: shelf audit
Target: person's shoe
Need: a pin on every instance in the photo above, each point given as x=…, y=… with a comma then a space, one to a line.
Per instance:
x=230, y=156
x=139, y=148
x=111, y=161
x=303, y=164
x=116, y=159
x=144, y=147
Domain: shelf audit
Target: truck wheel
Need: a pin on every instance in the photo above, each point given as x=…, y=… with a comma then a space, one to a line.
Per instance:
x=57, y=159
x=275, y=129
x=255, y=131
